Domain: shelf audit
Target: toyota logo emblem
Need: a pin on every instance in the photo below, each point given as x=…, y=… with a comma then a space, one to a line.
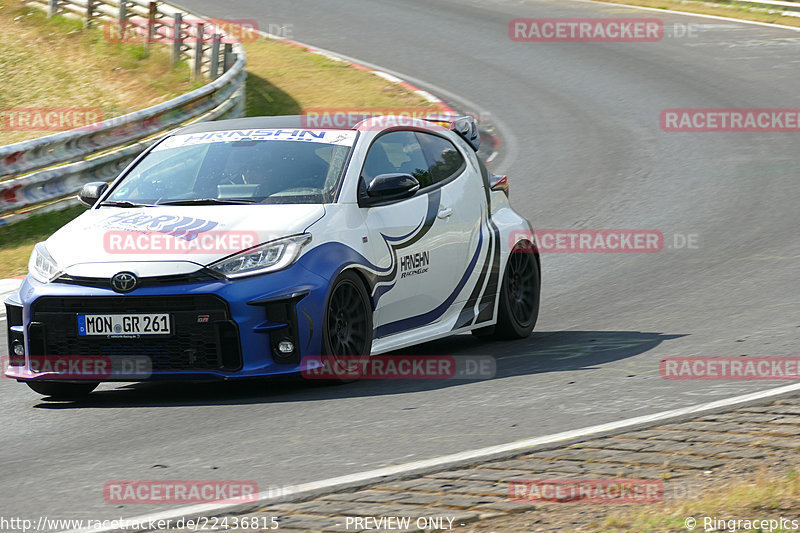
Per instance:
x=124, y=282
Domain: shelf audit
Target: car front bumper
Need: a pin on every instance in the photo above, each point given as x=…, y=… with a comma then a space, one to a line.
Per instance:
x=222, y=329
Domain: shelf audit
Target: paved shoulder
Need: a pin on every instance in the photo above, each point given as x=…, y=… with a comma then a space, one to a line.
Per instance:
x=526, y=493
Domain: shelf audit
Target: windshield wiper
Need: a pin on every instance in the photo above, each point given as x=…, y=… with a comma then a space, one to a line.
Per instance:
x=122, y=203
x=207, y=201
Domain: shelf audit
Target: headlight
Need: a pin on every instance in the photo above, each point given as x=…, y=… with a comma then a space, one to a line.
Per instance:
x=41, y=266
x=267, y=257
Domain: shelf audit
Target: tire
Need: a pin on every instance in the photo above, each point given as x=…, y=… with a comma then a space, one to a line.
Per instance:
x=347, y=328
x=519, y=297
x=63, y=390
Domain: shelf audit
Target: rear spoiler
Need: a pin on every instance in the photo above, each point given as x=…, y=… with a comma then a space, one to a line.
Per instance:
x=498, y=183
x=465, y=126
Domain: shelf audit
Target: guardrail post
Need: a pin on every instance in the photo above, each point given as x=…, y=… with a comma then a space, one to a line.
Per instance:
x=122, y=17
x=52, y=8
x=177, y=38
x=122, y=12
x=151, y=23
x=89, y=12
x=198, y=51
x=213, y=69
x=228, y=58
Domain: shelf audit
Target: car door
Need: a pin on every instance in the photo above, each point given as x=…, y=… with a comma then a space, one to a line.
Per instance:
x=462, y=209
x=424, y=238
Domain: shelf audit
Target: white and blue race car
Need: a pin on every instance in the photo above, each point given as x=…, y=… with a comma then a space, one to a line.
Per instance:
x=236, y=248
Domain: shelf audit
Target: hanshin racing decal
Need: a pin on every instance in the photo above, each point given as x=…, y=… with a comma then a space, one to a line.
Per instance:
x=385, y=281
x=414, y=264
x=433, y=315
x=337, y=137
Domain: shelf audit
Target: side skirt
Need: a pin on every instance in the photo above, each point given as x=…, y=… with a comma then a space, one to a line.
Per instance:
x=402, y=340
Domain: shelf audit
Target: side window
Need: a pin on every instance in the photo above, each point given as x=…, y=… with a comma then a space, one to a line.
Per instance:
x=443, y=158
x=397, y=152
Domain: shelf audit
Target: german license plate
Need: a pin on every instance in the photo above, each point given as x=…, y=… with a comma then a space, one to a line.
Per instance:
x=134, y=324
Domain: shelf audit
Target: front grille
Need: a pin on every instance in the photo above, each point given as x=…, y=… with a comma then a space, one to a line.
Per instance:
x=204, y=276
x=193, y=345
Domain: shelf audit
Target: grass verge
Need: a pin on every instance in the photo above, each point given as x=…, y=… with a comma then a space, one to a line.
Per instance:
x=57, y=64
x=17, y=241
x=762, y=497
x=721, y=9
x=284, y=79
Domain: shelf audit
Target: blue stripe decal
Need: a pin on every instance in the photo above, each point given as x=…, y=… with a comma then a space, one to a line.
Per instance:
x=407, y=235
x=390, y=274
x=431, y=316
x=380, y=291
x=468, y=315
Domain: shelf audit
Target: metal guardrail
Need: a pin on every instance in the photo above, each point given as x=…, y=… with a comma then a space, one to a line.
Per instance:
x=56, y=166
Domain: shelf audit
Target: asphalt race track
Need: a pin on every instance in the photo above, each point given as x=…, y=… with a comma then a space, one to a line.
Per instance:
x=581, y=142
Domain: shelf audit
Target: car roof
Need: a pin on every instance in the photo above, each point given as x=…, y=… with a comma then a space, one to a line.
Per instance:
x=247, y=123
x=375, y=123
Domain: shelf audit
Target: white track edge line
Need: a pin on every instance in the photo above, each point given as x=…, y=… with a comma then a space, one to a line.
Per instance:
x=443, y=461
x=689, y=13
x=427, y=96
x=386, y=76
x=396, y=77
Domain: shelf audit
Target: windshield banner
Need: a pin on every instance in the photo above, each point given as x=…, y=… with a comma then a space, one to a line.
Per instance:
x=336, y=137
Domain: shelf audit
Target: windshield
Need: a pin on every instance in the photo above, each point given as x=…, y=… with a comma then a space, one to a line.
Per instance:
x=239, y=166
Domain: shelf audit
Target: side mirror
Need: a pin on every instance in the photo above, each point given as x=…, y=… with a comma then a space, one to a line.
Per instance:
x=91, y=192
x=389, y=187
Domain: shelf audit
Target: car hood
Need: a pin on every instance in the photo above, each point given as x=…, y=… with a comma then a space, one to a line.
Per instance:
x=157, y=241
